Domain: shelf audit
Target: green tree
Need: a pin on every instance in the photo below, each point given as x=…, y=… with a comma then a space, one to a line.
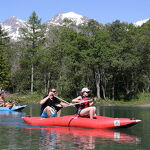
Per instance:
x=124, y=64
x=4, y=63
x=97, y=56
x=143, y=47
x=64, y=59
x=33, y=39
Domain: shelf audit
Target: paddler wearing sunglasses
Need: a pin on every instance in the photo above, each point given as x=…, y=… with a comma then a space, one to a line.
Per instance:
x=50, y=105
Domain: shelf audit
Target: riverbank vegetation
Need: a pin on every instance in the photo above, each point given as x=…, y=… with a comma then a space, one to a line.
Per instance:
x=111, y=59
x=34, y=98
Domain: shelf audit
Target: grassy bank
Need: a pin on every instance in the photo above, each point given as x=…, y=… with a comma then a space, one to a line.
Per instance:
x=143, y=98
x=25, y=98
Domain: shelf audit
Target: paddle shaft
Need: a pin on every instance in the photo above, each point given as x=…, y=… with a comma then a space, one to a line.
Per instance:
x=80, y=103
x=62, y=100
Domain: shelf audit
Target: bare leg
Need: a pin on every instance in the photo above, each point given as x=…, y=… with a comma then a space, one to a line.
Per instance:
x=59, y=113
x=47, y=110
x=90, y=111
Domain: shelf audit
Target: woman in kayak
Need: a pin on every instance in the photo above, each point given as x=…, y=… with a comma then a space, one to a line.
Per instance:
x=50, y=105
x=85, y=109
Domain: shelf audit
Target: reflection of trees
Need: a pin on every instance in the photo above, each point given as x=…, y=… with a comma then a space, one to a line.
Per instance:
x=85, y=142
x=79, y=138
x=10, y=135
x=47, y=140
x=51, y=139
x=61, y=138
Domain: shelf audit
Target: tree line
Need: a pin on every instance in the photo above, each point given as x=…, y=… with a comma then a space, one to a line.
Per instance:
x=113, y=60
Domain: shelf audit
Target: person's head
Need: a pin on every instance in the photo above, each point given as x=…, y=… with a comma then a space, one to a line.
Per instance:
x=85, y=91
x=52, y=91
x=2, y=94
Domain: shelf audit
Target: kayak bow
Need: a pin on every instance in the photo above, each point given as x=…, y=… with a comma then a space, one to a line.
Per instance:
x=13, y=108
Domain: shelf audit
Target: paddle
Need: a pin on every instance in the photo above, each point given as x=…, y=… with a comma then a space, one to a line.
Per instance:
x=11, y=107
x=62, y=100
x=72, y=105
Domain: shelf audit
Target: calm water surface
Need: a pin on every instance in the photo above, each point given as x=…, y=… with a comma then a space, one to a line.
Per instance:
x=17, y=135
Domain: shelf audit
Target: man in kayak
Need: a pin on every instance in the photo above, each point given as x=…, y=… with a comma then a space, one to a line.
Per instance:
x=50, y=105
x=85, y=109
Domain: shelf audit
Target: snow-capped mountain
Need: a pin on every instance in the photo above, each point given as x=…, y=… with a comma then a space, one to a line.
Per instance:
x=141, y=22
x=59, y=19
x=12, y=25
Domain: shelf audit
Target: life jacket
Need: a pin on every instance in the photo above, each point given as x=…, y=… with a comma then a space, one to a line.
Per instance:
x=84, y=105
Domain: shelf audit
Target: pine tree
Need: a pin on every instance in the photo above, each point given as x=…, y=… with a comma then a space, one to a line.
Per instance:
x=4, y=65
x=33, y=37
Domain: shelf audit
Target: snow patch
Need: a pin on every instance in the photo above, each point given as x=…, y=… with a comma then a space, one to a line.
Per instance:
x=141, y=22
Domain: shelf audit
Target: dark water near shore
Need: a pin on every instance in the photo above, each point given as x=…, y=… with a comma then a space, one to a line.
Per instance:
x=17, y=135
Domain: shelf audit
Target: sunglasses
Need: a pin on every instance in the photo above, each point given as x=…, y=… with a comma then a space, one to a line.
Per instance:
x=54, y=91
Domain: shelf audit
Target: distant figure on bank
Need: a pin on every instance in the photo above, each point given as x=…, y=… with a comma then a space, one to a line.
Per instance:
x=3, y=102
x=2, y=98
x=85, y=109
x=50, y=105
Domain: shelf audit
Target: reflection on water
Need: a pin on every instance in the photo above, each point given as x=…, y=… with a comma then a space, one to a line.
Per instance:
x=16, y=134
x=11, y=113
x=10, y=118
x=79, y=138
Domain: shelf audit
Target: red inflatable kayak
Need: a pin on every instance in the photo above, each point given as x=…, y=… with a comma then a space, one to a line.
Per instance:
x=75, y=121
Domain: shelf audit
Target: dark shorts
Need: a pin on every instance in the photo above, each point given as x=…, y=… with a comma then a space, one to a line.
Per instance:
x=78, y=111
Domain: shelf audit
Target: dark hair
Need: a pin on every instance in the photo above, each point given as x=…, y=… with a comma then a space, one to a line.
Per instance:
x=50, y=89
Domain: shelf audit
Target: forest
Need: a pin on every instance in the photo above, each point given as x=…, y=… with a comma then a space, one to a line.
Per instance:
x=113, y=60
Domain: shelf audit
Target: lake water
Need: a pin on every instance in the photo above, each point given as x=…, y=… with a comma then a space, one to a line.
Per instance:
x=17, y=135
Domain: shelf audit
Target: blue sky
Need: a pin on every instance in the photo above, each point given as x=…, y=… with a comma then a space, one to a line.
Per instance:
x=104, y=11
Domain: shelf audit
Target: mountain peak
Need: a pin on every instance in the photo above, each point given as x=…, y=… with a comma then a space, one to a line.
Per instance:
x=71, y=15
x=13, y=21
x=58, y=19
x=12, y=26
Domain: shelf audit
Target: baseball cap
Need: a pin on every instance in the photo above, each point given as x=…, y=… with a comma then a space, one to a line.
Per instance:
x=85, y=90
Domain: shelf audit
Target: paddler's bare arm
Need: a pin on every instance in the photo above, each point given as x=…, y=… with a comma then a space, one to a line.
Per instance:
x=93, y=102
x=77, y=100
x=42, y=101
x=50, y=95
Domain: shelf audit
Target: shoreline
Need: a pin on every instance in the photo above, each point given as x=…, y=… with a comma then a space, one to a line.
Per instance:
x=143, y=105
x=142, y=101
